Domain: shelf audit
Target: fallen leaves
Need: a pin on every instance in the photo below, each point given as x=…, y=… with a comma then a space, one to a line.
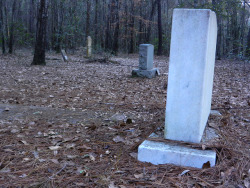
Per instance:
x=89, y=116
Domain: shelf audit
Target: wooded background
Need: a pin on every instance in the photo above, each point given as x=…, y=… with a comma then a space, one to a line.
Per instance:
x=118, y=25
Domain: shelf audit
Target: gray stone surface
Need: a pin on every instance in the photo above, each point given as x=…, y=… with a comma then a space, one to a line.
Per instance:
x=64, y=55
x=191, y=70
x=146, y=56
x=146, y=73
x=89, y=46
x=146, y=61
x=163, y=153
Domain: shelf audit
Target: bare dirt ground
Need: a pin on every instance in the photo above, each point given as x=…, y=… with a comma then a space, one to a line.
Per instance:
x=79, y=124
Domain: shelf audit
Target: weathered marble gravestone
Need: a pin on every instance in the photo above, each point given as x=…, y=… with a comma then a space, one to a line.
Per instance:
x=146, y=60
x=190, y=82
x=89, y=46
x=64, y=55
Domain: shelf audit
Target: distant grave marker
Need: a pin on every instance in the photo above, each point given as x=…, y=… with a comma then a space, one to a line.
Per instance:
x=89, y=46
x=64, y=55
x=146, y=60
x=190, y=82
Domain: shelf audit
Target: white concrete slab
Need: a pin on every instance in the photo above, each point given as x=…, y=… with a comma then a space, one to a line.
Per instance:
x=163, y=153
x=191, y=70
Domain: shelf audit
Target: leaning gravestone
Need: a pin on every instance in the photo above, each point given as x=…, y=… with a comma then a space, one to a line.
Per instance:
x=64, y=55
x=89, y=43
x=146, y=60
x=190, y=82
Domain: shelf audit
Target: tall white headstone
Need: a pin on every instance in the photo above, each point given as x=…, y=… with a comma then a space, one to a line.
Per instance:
x=190, y=82
x=191, y=71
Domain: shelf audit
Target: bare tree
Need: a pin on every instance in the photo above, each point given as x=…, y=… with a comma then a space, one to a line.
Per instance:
x=39, y=56
x=2, y=26
x=11, y=39
x=159, y=29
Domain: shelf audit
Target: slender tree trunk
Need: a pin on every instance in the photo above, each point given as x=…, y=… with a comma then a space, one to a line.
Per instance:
x=159, y=29
x=218, y=50
x=88, y=18
x=234, y=28
x=242, y=35
x=31, y=17
x=2, y=27
x=107, y=37
x=140, y=23
x=126, y=27
x=132, y=25
x=58, y=30
x=117, y=27
x=248, y=44
x=39, y=56
x=195, y=3
x=96, y=22
x=151, y=20
x=11, y=40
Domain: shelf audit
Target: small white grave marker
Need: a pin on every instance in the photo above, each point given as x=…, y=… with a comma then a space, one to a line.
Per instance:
x=89, y=48
x=64, y=55
x=146, y=61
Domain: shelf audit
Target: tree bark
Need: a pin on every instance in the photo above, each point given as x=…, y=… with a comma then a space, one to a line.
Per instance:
x=132, y=25
x=234, y=27
x=150, y=20
x=11, y=40
x=2, y=27
x=107, y=36
x=31, y=17
x=218, y=47
x=96, y=22
x=159, y=52
x=39, y=56
x=126, y=26
x=117, y=28
x=248, y=44
x=140, y=24
x=88, y=17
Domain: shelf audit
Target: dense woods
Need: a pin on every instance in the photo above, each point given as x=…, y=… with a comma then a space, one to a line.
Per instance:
x=117, y=25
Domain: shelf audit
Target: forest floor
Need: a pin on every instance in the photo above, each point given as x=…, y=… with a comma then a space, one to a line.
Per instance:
x=79, y=124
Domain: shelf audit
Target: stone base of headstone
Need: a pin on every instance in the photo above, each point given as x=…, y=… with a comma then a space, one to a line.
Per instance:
x=176, y=153
x=146, y=73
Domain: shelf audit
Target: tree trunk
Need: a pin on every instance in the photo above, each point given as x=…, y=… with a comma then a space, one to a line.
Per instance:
x=242, y=35
x=11, y=40
x=218, y=47
x=159, y=29
x=126, y=27
x=96, y=22
x=195, y=3
x=31, y=17
x=151, y=19
x=117, y=27
x=107, y=36
x=248, y=44
x=234, y=28
x=140, y=24
x=132, y=25
x=88, y=17
x=2, y=27
x=39, y=56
